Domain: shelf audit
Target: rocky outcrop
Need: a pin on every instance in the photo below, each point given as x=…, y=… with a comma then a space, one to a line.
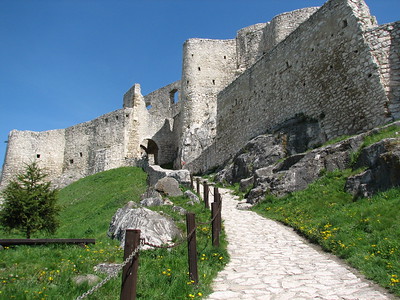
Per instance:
x=261, y=164
x=382, y=161
x=298, y=171
x=155, y=228
x=296, y=135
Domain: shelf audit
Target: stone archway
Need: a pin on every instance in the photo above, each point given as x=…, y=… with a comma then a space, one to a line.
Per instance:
x=149, y=148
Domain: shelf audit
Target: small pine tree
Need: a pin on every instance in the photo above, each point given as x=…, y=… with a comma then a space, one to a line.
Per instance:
x=29, y=203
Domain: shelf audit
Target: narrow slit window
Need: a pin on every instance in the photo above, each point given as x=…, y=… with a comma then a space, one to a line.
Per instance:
x=37, y=155
x=174, y=96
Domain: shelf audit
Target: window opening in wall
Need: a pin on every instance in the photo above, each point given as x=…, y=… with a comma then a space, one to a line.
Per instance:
x=198, y=68
x=213, y=82
x=344, y=23
x=187, y=82
x=224, y=56
x=80, y=154
x=106, y=120
x=127, y=115
x=71, y=161
x=149, y=106
x=116, y=117
x=37, y=155
x=174, y=96
x=369, y=75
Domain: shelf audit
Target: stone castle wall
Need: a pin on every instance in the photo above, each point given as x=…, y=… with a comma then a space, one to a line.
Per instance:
x=332, y=64
x=385, y=44
x=324, y=70
x=254, y=41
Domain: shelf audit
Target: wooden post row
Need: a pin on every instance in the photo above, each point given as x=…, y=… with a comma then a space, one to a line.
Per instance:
x=129, y=272
x=192, y=251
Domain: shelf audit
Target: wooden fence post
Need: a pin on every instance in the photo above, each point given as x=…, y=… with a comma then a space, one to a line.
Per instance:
x=129, y=272
x=206, y=194
x=219, y=217
x=191, y=182
x=192, y=251
x=216, y=193
x=198, y=185
x=215, y=230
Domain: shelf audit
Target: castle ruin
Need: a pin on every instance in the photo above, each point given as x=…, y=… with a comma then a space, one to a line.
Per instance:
x=333, y=64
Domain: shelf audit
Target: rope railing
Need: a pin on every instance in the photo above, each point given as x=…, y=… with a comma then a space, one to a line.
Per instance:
x=215, y=221
x=110, y=276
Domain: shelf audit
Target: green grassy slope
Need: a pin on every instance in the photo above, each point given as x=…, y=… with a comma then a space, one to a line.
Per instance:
x=46, y=272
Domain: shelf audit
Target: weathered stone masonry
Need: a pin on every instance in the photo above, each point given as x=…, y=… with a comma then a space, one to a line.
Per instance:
x=332, y=64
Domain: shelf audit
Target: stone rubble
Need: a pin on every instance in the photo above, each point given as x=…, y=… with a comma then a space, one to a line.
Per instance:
x=270, y=261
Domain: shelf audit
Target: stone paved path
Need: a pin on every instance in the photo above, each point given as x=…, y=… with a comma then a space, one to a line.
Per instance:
x=270, y=261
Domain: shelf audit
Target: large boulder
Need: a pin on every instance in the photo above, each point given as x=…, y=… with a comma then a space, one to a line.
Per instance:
x=155, y=173
x=192, y=196
x=155, y=228
x=168, y=186
x=148, y=202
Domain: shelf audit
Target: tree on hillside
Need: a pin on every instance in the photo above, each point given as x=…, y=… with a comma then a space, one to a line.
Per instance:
x=29, y=203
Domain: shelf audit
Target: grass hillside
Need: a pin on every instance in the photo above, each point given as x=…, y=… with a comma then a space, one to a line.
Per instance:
x=46, y=272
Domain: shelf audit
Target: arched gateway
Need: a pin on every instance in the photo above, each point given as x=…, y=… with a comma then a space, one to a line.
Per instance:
x=150, y=149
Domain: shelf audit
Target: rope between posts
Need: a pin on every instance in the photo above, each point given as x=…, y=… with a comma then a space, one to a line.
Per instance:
x=113, y=274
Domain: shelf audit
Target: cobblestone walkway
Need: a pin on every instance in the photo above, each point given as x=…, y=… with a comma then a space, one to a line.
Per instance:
x=270, y=261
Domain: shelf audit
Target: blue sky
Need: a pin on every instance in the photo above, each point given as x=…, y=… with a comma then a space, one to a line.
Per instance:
x=64, y=62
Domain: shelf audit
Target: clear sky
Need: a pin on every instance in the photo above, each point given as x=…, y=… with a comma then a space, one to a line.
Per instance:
x=64, y=62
